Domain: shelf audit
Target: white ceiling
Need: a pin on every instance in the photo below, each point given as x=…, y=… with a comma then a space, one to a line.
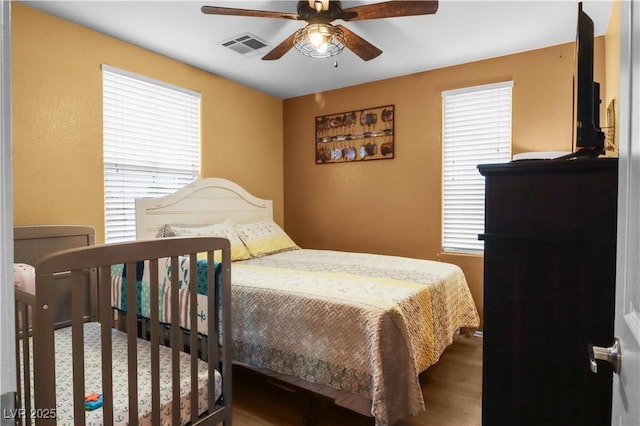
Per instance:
x=460, y=32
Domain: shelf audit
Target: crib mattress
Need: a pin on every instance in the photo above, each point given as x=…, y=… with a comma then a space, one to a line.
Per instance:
x=93, y=379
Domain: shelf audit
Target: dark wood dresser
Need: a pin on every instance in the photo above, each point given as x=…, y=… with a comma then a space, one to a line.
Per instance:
x=549, y=291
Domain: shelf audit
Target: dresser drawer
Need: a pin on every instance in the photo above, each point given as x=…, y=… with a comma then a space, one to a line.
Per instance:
x=543, y=199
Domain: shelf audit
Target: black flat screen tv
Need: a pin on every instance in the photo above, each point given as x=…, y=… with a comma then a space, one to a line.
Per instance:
x=589, y=137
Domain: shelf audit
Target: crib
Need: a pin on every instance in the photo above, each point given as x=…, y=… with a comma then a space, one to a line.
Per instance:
x=80, y=361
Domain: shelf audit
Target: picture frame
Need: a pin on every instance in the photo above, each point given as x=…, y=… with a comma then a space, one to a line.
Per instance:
x=361, y=135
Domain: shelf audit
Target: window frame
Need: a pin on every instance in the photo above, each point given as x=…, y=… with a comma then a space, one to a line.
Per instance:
x=151, y=144
x=469, y=118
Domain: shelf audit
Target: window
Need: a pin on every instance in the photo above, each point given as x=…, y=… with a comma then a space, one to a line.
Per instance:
x=151, y=133
x=476, y=130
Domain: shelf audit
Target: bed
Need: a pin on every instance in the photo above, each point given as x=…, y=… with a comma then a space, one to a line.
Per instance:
x=80, y=361
x=357, y=328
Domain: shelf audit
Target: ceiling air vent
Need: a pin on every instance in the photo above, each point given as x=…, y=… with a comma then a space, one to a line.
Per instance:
x=246, y=44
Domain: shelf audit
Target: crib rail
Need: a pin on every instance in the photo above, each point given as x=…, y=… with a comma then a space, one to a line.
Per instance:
x=98, y=260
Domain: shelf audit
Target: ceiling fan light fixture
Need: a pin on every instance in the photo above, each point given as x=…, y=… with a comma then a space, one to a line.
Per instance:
x=319, y=40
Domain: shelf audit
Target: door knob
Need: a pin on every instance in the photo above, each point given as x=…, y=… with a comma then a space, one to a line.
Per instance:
x=612, y=355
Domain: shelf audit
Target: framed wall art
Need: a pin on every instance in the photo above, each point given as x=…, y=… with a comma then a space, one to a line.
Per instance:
x=361, y=135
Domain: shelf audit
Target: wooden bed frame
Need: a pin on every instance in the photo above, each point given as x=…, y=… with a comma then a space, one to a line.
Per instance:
x=88, y=266
x=32, y=242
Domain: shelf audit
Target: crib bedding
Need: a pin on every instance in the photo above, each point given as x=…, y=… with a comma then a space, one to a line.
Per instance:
x=24, y=277
x=93, y=375
x=366, y=324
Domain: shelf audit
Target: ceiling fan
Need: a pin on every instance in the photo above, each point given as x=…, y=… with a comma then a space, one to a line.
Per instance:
x=319, y=38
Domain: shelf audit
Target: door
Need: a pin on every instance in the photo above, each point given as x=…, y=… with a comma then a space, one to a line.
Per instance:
x=7, y=349
x=626, y=385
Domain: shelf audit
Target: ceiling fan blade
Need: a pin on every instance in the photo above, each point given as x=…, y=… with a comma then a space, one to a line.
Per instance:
x=390, y=9
x=280, y=49
x=361, y=47
x=215, y=10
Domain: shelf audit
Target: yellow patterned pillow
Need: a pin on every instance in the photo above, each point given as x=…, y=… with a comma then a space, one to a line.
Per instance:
x=221, y=230
x=264, y=237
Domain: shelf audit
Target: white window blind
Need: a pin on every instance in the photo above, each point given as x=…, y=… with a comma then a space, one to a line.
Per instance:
x=151, y=139
x=476, y=130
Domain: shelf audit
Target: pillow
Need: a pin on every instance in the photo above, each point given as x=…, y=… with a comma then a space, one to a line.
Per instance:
x=264, y=237
x=221, y=230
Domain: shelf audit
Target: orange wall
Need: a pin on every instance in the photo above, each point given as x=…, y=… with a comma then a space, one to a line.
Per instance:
x=57, y=121
x=388, y=206
x=394, y=206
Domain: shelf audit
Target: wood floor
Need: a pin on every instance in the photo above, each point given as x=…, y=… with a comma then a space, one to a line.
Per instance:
x=452, y=391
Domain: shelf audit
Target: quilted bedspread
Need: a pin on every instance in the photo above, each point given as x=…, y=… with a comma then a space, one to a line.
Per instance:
x=362, y=323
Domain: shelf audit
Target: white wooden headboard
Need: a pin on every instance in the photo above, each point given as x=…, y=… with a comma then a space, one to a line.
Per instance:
x=203, y=201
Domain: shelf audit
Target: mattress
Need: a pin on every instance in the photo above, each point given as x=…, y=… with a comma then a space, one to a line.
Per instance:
x=361, y=323
x=93, y=379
